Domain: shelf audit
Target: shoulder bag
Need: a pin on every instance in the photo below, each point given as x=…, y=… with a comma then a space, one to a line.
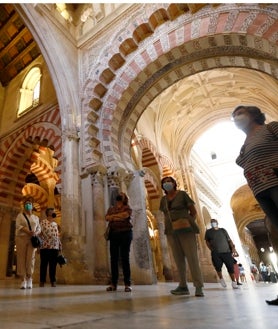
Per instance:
x=35, y=240
x=185, y=224
x=107, y=232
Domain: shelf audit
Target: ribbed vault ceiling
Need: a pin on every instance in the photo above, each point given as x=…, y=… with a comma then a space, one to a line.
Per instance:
x=185, y=110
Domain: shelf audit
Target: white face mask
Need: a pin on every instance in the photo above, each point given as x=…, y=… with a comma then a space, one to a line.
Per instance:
x=242, y=121
x=214, y=224
x=168, y=186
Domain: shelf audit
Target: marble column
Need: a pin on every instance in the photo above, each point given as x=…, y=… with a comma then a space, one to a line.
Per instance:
x=76, y=271
x=142, y=267
x=101, y=262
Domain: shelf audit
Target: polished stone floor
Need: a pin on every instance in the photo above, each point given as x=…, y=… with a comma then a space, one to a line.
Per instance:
x=148, y=307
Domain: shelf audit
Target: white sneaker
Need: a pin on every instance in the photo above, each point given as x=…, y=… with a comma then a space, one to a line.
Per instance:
x=29, y=284
x=234, y=285
x=23, y=284
x=223, y=283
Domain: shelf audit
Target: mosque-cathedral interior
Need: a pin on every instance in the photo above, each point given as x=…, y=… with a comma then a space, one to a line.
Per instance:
x=97, y=98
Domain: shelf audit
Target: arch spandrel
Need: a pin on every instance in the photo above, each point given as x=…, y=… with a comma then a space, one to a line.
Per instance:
x=245, y=207
x=207, y=45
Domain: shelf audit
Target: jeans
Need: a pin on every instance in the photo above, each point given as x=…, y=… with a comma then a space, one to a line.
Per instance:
x=48, y=258
x=268, y=200
x=119, y=249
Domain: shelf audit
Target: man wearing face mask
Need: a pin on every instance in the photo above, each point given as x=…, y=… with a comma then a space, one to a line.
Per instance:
x=24, y=248
x=222, y=252
x=51, y=245
x=177, y=204
x=259, y=159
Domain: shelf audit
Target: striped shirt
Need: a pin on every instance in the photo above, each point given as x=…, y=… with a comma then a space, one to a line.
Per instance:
x=259, y=156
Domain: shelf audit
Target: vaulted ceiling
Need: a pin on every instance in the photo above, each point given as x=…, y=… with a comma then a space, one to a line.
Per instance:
x=186, y=99
x=17, y=46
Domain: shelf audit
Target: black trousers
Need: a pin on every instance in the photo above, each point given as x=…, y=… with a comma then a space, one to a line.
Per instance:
x=48, y=259
x=119, y=249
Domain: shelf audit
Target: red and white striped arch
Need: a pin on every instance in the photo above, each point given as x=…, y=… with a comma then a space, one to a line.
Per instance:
x=16, y=154
x=158, y=50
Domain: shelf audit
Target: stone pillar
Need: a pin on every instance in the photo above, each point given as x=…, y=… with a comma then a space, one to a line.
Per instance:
x=167, y=263
x=7, y=239
x=76, y=271
x=204, y=253
x=101, y=263
x=142, y=268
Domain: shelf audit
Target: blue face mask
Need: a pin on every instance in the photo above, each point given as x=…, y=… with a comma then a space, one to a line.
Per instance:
x=28, y=206
x=168, y=186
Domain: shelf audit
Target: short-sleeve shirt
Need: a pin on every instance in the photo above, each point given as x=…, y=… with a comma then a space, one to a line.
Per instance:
x=122, y=225
x=178, y=208
x=258, y=158
x=50, y=235
x=22, y=222
x=218, y=239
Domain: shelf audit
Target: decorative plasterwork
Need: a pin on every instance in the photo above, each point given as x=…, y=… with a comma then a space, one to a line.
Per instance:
x=225, y=36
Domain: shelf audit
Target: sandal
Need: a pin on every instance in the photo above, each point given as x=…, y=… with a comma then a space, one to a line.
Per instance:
x=111, y=288
x=128, y=289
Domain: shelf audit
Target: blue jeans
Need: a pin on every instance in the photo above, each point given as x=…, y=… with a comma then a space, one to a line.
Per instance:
x=119, y=248
x=268, y=201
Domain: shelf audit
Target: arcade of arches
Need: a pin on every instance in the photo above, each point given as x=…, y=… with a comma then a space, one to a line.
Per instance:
x=125, y=92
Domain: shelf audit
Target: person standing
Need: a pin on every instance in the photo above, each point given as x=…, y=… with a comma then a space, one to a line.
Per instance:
x=222, y=251
x=259, y=158
x=25, y=250
x=236, y=271
x=120, y=238
x=51, y=245
x=177, y=204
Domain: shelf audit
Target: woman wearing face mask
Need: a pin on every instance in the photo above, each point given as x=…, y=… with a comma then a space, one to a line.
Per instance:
x=177, y=204
x=120, y=238
x=259, y=158
x=25, y=250
x=49, y=250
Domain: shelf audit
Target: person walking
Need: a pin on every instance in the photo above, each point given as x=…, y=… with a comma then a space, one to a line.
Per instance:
x=222, y=251
x=176, y=204
x=25, y=250
x=120, y=238
x=259, y=158
x=51, y=245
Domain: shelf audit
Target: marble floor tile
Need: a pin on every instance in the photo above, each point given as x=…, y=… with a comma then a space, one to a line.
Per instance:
x=147, y=306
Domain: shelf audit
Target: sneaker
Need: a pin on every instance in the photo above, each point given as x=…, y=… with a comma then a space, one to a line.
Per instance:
x=23, y=284
x=223, y=283
x=272, y=302
x=180, y=291
x=234, y=285
x=29, y=284
x=199, y=292
x=239, y=284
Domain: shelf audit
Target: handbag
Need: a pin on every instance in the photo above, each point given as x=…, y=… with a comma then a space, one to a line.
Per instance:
x=35, y=240
x=107, y=233
x=61, y=260
x=186, y=224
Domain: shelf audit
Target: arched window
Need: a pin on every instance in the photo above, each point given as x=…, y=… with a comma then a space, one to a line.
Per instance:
x=30, y=91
